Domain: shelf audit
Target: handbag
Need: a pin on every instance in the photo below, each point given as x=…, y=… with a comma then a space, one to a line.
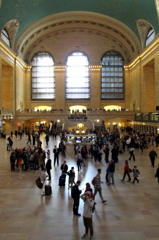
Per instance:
x=38, y=182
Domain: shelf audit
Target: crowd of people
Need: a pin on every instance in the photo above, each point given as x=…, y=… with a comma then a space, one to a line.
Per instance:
x=107, y=147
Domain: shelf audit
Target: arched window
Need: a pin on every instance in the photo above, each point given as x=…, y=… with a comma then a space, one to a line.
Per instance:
x=43, y=80
x=112, y=76
x=5, y=37
x=77, y=76
x=150, y=36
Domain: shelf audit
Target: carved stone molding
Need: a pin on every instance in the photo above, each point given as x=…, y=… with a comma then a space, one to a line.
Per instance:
x=123, y=49
x=86, y=18
x=143, y=28
x=12, y=28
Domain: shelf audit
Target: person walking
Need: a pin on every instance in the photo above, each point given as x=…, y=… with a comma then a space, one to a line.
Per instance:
x=152, y=155
x=97, y=185
x=131, y=152
x=29, y=138
x=126, y=171
x=135, y=174
x=56, y=155
x=75, y=193
x=87, y=214
x=48, y=167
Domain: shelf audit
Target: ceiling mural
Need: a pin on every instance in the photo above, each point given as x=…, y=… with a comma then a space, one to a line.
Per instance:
x=127, y=11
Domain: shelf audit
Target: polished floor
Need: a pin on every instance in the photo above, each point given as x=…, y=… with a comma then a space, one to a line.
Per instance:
x=131, y=211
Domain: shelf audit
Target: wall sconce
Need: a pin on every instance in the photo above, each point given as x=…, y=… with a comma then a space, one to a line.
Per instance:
x=58, y=120
x=97, y=120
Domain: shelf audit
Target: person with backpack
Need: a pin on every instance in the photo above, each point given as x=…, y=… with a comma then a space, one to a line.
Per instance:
x=87, y=213
x=97, y=185
x=75, y=193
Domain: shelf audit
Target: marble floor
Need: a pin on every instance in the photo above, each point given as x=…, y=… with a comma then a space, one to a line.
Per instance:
x=131, y=211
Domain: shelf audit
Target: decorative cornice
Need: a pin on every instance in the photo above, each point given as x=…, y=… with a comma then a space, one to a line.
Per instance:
x=104, y=22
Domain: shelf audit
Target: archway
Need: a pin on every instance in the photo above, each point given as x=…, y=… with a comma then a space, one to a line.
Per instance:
x=112, y=108
x=77, y=109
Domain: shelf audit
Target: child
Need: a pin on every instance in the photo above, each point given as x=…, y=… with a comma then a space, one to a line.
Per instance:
x=135, y=174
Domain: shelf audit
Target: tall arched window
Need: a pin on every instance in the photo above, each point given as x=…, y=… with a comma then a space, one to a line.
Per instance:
x=112, y=76
x=5, y=37
x=150, y=36
x=43, y=80
x=77, y=76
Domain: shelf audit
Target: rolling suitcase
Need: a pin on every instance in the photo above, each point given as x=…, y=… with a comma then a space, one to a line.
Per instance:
x=48, y=190
x=62, y=180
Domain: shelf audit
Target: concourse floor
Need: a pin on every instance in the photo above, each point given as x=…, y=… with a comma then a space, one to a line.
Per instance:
x=131, y=211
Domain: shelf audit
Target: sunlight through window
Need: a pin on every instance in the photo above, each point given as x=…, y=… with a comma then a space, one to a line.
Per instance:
x=77, y=77
x=43, y=80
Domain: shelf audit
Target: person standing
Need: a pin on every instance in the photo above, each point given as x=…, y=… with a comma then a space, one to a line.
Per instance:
x=12, y=161
x=71, y=179
x=43, y=180
x=157, y=173
x=152, y=155
x=75, y=193
x=47, y=139
x=87, y=214
x=126, y=171
x=79, y=161
x=97, y=185
x=56, y=155
x=111, y=172
x=115, y=152
x=10, y=143
x=48, y=167
x=95, y=154
x=64, y=167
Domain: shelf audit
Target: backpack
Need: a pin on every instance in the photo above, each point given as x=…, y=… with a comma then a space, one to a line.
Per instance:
x=94, y=181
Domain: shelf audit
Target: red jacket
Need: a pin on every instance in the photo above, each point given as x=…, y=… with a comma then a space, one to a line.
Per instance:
x=126, y=168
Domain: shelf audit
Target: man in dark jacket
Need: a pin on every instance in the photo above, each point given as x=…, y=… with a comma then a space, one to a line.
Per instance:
x=75, y=193
x=152, y=156
x=56, y=155
x=111, y=172
x=48, y=167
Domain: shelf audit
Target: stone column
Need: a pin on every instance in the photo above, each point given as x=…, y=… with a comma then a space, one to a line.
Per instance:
x=60, y=87
x=95, y=93
x=27, y=102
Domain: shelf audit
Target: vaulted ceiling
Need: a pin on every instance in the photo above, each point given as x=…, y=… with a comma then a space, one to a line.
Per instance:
x=126, y=11
x=31, y=23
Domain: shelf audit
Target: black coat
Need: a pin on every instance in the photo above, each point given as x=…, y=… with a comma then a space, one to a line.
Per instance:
x=48, y=164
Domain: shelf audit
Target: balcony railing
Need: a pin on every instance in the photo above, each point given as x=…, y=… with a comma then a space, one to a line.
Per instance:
x=147, y=117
